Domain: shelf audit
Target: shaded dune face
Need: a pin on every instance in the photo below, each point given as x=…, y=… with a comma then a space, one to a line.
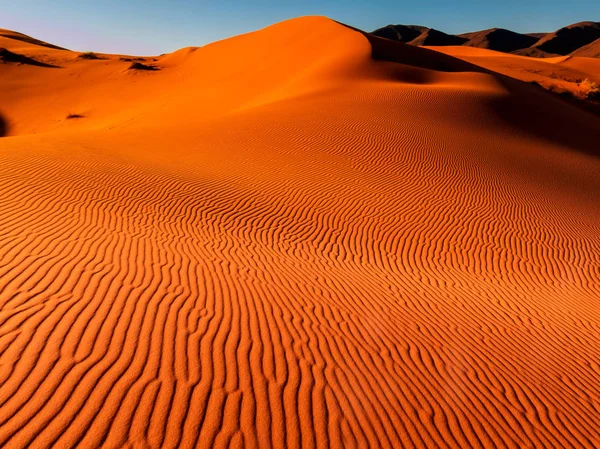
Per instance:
x=435, y=37
x=299, y=237
x=572, y=80
x=3, y=127
x=400, y=33
x=500, y=40
x=569, y=39
x=591, y=50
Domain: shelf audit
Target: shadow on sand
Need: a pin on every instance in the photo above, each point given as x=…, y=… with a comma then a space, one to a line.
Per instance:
x=7, y=56
x=526, y=108
x=3, y=127
x=535, y=111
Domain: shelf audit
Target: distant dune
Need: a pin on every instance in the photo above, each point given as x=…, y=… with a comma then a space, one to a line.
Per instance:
x=27, y=39
x=567, y=40
x=418, y=35
x=435, y=37
x=301, y=237
x=591, y=50
x=401, y=33
x=499, y=39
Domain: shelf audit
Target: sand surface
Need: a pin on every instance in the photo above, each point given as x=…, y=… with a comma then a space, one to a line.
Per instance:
x=278, y=240
x=562, y=74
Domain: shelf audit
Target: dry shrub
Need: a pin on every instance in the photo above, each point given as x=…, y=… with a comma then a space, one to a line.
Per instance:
x=590, y=89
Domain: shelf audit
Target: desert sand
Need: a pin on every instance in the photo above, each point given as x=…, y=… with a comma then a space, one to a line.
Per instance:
x=302, y=237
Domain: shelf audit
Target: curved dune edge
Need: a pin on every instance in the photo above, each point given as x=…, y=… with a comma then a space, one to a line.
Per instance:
x=385, y=260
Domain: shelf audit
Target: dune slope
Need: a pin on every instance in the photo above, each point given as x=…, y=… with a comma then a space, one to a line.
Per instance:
x=400, y=33
x=499, y=39
x=299, y=237
x=579, y=39
x=569, y=76
x=570, y=38
x=13, y=35
x=591, y=50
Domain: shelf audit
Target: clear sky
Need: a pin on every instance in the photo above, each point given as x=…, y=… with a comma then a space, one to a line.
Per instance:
x=150, y=27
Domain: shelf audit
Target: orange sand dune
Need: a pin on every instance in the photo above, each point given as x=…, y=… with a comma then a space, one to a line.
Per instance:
x=285, y=239
x=560, y=74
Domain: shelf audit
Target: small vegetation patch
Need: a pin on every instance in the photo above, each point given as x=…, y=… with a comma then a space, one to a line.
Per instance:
x=74, y=116
x=590, y=90
x=140, y=66
x=126, y=59
x=89, y=55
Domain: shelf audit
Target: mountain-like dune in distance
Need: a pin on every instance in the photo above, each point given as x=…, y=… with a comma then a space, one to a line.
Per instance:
x=499, y=39
x=302, y=237
x=576, y=39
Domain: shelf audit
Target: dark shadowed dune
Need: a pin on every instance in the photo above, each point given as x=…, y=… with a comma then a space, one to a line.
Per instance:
x=391, y=51
x=540, y=45
x=591, y=50
x=3, y=126
x=534, y=52
x=499, y=39
x=400, y=33
x=433, y=37
x=538, y=36
x=570, y=38
x=418, y=35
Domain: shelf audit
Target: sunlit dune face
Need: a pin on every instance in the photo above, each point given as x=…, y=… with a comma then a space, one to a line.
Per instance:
x=299, y=237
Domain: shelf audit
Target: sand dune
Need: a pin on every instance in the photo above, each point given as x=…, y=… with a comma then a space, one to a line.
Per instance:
x=576, y=39
x=418, y=35
x=435, y=37
x=400, y=33
x=591, y=50
x=300, y=237
x=13, y=35
x=499, y=39
x=570, y=38
x=568, y=76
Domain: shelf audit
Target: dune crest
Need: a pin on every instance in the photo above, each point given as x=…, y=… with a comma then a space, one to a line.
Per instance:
x=301, y=237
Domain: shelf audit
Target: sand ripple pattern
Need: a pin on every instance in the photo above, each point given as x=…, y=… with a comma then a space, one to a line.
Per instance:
x=322, y=273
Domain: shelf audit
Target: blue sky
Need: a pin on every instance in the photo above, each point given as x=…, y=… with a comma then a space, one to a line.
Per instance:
x=150, y=27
